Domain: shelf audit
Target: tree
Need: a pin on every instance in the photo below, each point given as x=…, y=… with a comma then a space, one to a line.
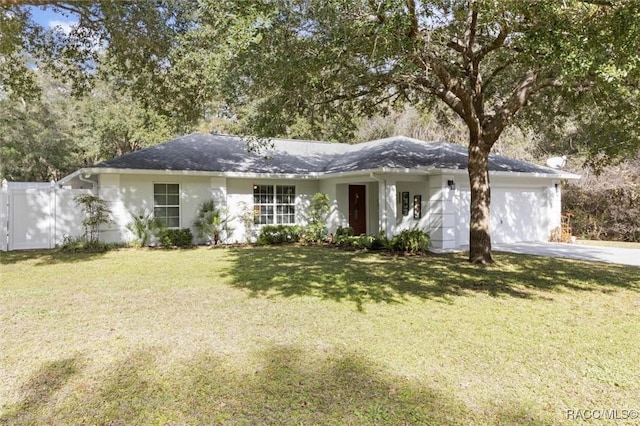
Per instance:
x=316, y=229
x=487, y=61
x=97, y=213
x=117, y=123
x=135, y=41
x=18, y=35
x=45, y=137
x=40, y=137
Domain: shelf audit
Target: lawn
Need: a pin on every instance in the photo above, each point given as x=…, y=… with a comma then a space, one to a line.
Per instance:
x=311, y=335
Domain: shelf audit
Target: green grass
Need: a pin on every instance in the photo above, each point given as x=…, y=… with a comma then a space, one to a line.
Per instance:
x=310, y=335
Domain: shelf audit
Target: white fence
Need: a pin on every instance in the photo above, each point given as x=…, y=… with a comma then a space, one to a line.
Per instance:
x=37, y=215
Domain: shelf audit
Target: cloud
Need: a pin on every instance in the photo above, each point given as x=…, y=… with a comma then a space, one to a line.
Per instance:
x=92, y=44
x=64, y=26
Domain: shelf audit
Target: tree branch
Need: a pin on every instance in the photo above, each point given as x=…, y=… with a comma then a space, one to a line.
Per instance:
x=470, y=32
x=413, y=19
x=529, y=84
x=456, y=44
x=496, y=72
x=82, y=12
x=497, y=43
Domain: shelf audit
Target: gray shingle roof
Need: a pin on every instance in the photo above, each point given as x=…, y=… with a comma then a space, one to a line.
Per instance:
x=224, y=153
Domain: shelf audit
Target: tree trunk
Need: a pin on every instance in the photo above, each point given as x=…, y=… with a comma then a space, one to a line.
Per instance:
x=479, y=232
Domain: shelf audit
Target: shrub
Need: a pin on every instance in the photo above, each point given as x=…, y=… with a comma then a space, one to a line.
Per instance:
x=176, y=237
x=82, y=245
x=279, y=234
x=361, y=242
x=316, y=230
x=606, y=206
x=411, y=241
x=344, y=232
x=96, y=214
x=212, y=221
x=604, y=213
x=369, y=242
x=247, y=218
x=144, y=227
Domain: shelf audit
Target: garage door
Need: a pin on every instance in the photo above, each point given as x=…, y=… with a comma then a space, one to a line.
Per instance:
x=519, y=215
x=516, y=215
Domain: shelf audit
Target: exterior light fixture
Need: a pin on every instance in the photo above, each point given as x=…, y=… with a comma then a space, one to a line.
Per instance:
x=452, y=185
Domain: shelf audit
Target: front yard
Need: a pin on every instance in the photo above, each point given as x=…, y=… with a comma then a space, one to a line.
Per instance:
x=310, y=335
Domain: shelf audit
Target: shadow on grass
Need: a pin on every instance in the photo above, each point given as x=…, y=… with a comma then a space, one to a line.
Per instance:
x=361, y=277
x=41, y=390
x=285, y=385
x=47, y=257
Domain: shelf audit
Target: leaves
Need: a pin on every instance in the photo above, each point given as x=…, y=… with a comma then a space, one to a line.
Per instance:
x=211, y=222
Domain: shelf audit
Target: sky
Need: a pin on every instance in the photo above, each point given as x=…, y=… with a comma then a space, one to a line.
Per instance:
x=49, y=19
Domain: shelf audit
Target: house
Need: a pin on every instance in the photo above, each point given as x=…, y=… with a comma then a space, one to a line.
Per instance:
x=384, y=185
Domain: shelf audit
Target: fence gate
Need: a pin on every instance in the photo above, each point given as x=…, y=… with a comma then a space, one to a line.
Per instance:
x=37, y=215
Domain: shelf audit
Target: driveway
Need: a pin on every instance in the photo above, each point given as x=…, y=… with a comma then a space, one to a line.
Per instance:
x=623, y=256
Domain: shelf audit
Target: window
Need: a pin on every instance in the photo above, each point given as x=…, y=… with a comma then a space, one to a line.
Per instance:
x=285, y=204
x=166, y=204
x=274, y=204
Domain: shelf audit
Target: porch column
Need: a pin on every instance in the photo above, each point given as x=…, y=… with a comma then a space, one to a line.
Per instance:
x=442, y=220
x=219, y=191
x=109, y=189
x=387, y=206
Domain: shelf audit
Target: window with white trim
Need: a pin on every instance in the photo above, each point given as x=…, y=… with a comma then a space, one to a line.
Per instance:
x=166, y=204
x=274, y=204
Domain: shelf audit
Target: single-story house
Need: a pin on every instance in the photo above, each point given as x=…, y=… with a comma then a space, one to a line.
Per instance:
x=385, y=185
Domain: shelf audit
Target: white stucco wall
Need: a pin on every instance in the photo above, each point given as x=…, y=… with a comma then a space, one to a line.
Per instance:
x=133, y=193
x=429, y=210
x=522, y=209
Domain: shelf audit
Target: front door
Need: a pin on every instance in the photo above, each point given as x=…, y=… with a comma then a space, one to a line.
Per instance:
x=357, y=209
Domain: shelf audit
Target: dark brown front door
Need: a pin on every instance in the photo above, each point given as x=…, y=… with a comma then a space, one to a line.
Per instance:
x=357, y=209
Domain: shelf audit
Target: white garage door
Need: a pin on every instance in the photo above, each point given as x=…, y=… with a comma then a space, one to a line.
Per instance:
x=519, y=215
x=516, y=215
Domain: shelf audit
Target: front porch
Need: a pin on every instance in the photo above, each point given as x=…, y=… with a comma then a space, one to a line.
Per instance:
x=389, y=203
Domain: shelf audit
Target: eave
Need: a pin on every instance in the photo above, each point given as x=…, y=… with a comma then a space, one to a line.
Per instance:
x=430, y=170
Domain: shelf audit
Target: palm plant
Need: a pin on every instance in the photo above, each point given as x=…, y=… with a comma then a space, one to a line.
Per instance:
x=211, y=222
x=144, y=226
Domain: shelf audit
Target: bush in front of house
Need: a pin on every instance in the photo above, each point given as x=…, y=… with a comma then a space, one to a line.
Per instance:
x=279, y=234
x=344, y=232
x=144, y=228
x=176, y=237
x=410, y=241
x=82, y=245
x=316, y=230
x=360, y=242
x=97, y=213
x=212, y=222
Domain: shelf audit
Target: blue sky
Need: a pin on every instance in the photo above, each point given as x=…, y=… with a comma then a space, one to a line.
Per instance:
x=47, y=17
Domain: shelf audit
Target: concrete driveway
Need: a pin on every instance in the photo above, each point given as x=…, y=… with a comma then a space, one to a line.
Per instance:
x=622, y=256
